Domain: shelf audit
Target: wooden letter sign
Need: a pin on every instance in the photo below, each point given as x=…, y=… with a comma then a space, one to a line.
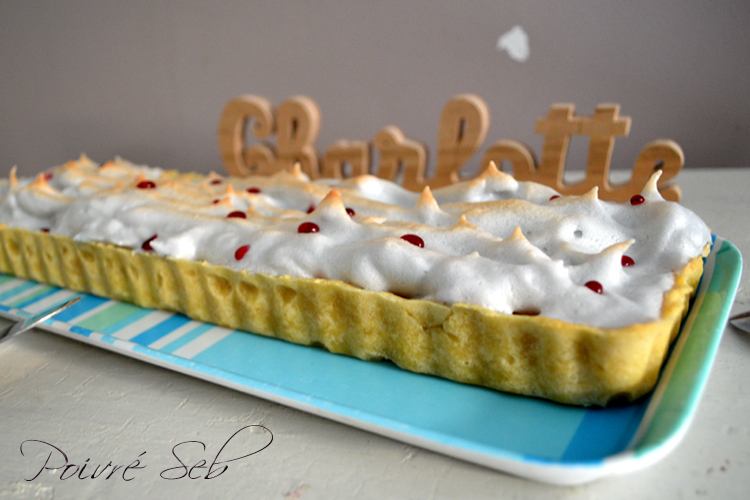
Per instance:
x=462, y=131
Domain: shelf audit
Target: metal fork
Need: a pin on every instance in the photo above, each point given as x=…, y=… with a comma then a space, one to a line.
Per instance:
x=23, y=324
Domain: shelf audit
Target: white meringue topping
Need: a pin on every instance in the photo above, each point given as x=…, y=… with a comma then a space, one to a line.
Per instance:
x=492, y=241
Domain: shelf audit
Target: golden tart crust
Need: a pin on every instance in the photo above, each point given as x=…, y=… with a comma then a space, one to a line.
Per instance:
x=530, y=355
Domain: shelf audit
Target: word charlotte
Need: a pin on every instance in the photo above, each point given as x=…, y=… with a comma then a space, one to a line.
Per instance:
x=57, y=460
x=462, y=130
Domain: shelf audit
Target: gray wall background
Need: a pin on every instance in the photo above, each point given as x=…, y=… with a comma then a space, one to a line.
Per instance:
x=148, y=80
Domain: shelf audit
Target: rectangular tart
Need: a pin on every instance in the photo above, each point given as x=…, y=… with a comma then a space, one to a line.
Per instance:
x=521, y=350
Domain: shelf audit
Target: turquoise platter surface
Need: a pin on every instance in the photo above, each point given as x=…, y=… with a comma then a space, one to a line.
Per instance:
x=524, y=436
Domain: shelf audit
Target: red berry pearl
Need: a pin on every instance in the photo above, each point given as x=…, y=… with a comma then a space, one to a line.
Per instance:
x=594, y=286
x=147, y=244
x=146, y=185
x=627, y=261
x=241, y=251
x=47, y=176
x=236, y=215
x=414, y=240
x=310, y=208
x=308, y=227
x=554, y=197
x=253, y=190
x=637, y=199
x=217, y=200
x=45, y=230
x=216, y=181
x=351, y=212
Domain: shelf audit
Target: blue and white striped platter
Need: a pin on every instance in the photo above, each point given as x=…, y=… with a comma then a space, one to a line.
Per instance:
x=520, y=435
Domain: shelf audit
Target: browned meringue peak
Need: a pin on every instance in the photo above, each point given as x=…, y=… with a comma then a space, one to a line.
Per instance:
x=226, y=195
x=331, y=207
x=481, y=188
x=463, y=223
x=84, y=159
x=592, y=194
x=519, y=246
x=614, y=252
x=651, y=190
x=83, y=164
x=41, y=184
x=229, y=191
x=427, y=211
x=494, y=174
x=13, y=178
x=332, y=200
x=296, y=172
x=427, y=200
x=518, y=235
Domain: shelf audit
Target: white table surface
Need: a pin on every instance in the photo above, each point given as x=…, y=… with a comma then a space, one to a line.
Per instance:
x=96, y=405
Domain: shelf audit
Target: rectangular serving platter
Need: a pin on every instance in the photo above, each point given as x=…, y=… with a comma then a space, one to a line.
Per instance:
x=524, y=436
